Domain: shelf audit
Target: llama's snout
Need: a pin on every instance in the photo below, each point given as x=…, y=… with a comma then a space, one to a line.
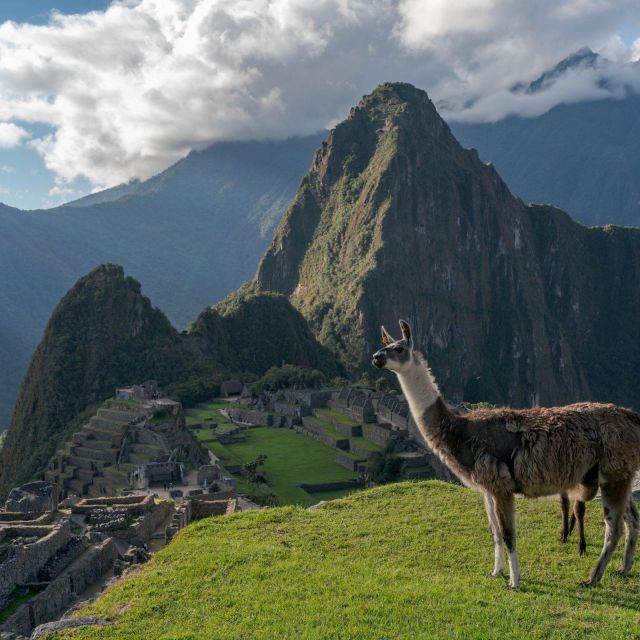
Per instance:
x=379, y=359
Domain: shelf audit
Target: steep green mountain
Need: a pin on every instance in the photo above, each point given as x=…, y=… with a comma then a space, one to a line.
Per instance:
x=104, y=333
x=254, y=331
x=192, y=234
x=583, y=157
x=511, y=303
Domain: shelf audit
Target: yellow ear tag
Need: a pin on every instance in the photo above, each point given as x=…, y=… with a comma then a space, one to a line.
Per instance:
x=385, y=340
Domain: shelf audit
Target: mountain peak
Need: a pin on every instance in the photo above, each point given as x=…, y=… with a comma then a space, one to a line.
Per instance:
x=396, y=220
x=584, y=58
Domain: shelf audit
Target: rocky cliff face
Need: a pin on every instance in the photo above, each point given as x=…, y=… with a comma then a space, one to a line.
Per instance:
x=511, y=303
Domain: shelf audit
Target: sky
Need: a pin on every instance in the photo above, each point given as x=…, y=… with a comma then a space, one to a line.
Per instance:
x=97, y=93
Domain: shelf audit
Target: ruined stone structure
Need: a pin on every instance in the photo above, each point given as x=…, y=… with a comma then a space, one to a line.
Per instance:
x=355, y=402
x=152, y=473
x=134, y=437
x=34, y=497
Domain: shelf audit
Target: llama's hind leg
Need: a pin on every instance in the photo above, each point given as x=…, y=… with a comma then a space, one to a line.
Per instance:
x=579, y=509
x=566, y=528
x=498, y=565
x=506, y=514
x=632, y=524
x=615, y=499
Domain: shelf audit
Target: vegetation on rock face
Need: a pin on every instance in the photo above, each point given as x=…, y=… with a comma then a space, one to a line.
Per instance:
x=396, y=220
x=288, y=377
x=254, y=331
x=406, y=561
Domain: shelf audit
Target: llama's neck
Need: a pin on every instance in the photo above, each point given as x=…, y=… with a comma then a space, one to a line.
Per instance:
x=419, y=388
x=431, y=416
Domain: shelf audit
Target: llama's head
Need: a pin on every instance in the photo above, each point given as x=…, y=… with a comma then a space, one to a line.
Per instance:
x=396, y=355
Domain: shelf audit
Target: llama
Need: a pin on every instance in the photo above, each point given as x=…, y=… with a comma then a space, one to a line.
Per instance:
x=535, y=452
x=584, y=492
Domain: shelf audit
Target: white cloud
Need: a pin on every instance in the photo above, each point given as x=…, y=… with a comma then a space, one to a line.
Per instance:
x=11, y=135
x=129, y=90
x=5, y=168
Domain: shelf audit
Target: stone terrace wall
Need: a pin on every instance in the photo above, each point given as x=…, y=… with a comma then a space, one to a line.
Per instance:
x=26, y=560
x=250, y=416
x=207, y=508
x=16, y=517
x=62, y=591
x=131, y=504
x=141, y=531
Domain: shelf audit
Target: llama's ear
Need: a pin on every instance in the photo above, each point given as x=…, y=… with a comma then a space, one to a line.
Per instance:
x=406, y=332
x=386, y=337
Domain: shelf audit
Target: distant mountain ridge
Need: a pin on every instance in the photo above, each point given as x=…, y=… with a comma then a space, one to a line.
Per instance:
x=396, y=219
x=191, y=234
x=581, y=155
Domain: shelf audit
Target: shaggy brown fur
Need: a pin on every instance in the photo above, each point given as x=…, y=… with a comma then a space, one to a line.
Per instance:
x=534, y=452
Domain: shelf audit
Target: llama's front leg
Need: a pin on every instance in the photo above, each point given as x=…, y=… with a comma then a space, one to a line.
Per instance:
x=498, y=565
x=632, y=524
x=506, y=514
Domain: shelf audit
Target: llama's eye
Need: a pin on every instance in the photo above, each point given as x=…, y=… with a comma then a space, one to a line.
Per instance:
x=398, y=349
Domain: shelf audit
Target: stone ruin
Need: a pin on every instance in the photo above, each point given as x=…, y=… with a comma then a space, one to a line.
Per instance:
x=35, y=497
x=132, y=441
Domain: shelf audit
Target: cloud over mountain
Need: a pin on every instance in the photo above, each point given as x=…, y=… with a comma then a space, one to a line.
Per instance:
x=127, y=91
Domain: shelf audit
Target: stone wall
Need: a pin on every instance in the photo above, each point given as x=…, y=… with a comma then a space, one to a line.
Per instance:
x=380, y=434
x=361, y=452
x=24, y=561
x=132, y=504
x=62, y=591
x=250, y=416
x=141, y=531
x=16, y=518
x=207, y=508
x=347, y=461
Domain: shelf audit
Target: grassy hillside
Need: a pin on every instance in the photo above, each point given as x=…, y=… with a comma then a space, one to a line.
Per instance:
x=401, y=561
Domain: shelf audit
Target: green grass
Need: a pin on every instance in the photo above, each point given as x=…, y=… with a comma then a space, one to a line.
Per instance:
x=207, y=411
x=337, y=415
x=15, y=601
x=328, y=428
x=292, y=459
x=404, y=562
x=365, y=444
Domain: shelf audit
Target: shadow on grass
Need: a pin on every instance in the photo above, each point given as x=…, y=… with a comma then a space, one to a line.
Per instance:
x=603, y=594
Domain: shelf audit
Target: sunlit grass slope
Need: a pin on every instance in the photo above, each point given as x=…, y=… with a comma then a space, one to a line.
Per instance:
x=401, y=561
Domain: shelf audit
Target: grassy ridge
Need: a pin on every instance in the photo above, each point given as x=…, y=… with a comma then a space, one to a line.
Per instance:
x=403, y=561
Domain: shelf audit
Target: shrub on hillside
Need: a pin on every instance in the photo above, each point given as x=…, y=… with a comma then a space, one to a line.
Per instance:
x=289, y=376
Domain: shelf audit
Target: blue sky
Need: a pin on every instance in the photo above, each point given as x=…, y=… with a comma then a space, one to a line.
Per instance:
x=24, y=180
x=37, y=12
x=131, y=94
